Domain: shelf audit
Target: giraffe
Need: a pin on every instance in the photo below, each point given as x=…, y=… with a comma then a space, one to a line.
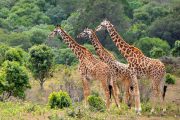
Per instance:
x=141, y=65
x=90, y=67
x=119, y=71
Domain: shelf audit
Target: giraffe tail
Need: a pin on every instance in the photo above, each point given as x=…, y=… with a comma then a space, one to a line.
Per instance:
x=110, y=91
x=164, y=91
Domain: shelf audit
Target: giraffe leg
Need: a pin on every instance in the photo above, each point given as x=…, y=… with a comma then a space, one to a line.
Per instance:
x=154, y=96
x=86, y=90
x=128, y=97
x=106, y=90
x=162, y=100
x=158, y=96
x=136, y=95
x=115, y=94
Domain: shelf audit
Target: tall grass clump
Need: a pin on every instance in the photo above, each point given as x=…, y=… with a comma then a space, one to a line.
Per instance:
x=59, y=100
x=96, y=103
x=170, y=79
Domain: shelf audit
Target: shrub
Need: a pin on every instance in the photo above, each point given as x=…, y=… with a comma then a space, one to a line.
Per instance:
x=14, y=80
x=146, y=107
x=59, y=100
x=147, y=44
x=176, y=50
x=170, y=79
x=157, y=52
x=96, y=103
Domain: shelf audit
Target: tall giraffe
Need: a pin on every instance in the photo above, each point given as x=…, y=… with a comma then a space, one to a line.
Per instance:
x=90, y=67
x=119, y=70
x=141, y=65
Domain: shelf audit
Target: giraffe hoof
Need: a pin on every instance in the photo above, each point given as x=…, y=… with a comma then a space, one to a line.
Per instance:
x=138, y=113
x=164, y=110
x=152, y=111
x=129, y=106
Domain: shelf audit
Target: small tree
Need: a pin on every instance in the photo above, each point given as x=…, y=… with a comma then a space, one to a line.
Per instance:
x=176, y=49
x=14, y=80
x=41, y=59
x=3, y=49
x=16, y=54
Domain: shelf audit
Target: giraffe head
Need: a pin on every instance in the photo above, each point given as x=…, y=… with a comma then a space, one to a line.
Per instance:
x=55, y=32
x=103, y=25
x=86, y=33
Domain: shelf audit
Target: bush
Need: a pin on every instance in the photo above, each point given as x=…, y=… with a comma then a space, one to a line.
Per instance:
x=146, y=107
x=157, y=52
x=176, y=50
x=147, y=44
x=14, y=80
x=59, y=100
x=96, y=103
x=170, y=79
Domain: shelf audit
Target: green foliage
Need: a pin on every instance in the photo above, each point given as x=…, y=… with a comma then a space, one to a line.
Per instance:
x=38, y=37
x=90, y=48
x=19, y=39
x=157, y=52
x=59, y=100
x=146, y=107
x=149, y=12
x=166, y=28
x=65, y=56
x=148, y=44
x=14, y=80
x=16, y=54
x=170, y=79
x=41, y=62
x=96, y=103
x=3, y=49
x=176, y=50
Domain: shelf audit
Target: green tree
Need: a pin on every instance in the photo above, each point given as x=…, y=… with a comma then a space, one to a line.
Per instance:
x=3, y=49
x=14, y=80
x=65, y=56
x=38, y=37
x=176, y=50
x=41, y=62
x=146, y=45
x=166, y=28
x=16, y=54
x=19, y=39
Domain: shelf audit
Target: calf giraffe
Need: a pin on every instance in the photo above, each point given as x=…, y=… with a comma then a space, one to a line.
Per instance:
x=90, y=67
x=141, y=65
x=119, y=71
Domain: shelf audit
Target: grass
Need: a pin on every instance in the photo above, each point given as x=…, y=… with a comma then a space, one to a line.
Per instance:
x=24, y=110
x=35, y=107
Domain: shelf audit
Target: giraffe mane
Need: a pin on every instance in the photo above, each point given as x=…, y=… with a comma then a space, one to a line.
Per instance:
x=137, y=50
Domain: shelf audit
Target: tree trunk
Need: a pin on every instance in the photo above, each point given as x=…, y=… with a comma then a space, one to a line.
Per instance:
x=42, y=84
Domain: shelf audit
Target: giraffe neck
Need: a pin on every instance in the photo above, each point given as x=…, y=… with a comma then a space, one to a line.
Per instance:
x=103, y=54
x=128, y=51
x=77, y=49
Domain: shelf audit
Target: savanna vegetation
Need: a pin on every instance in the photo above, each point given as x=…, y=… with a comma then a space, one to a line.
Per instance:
x=39, y=77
